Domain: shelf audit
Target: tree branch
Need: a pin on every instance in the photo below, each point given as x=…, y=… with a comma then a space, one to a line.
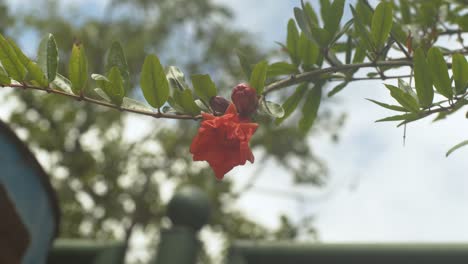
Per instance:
x=102, y=103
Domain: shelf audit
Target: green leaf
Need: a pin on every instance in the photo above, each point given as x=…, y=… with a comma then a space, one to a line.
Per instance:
x=310, y=109
x=116, y=58
x=47, y=57
x=115, y=87
x=456, y=147
x=337, y=89
x=301, y=20
x=62, y=83
x=258, y=77
x=332, y=22
x=381, y=24
x=78, y=68
x=405, y=11
x=362, y=31
x=34, y=72
x=281, y=68
x=310, y=14
x=391, y=107
x=135, y=105
x=10, y=61
x=409, y=116
x=4, y=79
x=273, y=109
x=292, y=102
x=292, y=42
x=245, y=63
x=176, y=78
x=405, y=99
x=153, y=82
x=185, y=100
x=204, y=87
x=439, y=72
x=319, y=36
x=423, y=79
x=102, y=94
x=460, y=73
x=308, y=51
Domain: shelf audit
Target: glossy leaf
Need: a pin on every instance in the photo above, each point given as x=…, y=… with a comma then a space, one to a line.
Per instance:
x=78, y=68
x=439, y=72
x=272, y=109
x=456, y=147
x=10, y=61
x=382, y=21
x=391, y=107
x=292, y=42
x=47, y=57
x=310, y=109
x=153, y=82
x=460, y=73
x=62, y=83
x=116, y=58
x=292, y=102
x=204, y=87
x=176, y=78
x=258, y=77
x=423, y=79
x=405, y=99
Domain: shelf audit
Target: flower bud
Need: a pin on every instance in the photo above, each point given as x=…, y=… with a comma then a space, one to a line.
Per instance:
x=245, y=99
x=219, y=104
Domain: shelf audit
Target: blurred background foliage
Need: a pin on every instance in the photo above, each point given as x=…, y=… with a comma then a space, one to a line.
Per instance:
x=110, y=179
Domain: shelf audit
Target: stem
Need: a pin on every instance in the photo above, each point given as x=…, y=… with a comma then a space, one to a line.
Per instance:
x=102, y=103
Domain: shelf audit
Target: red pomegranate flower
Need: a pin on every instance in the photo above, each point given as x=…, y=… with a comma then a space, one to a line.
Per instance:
x=223, y=141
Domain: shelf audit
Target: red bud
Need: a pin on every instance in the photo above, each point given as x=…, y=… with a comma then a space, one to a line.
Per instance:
x=219, y=104
x=245, y=99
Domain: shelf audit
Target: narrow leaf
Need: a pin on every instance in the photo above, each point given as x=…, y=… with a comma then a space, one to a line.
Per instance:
x=281, y=68
x=423, y=79
x=332, y=23
x=391, y=107
x=116, y=58
x=292, y=102
x=381, y=24
x=47, y=57
x=308, y=51
x=439, y=72
x=310, y=109
x=78, y=68
x=405, y=99
x=258, y=77
x=62, y=83
x=399, y=117
x=456, y=147
x=153, y=82
x=115, y=87
x=292, y=42
x=460, y=73
x=337, y=89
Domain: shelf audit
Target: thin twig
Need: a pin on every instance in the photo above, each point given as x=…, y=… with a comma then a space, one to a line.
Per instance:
x=102, y=103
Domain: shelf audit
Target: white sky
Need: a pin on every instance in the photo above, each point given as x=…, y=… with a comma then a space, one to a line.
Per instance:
x=380, y=191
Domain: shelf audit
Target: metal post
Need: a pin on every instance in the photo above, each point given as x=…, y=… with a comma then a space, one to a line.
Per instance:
x=189, y=211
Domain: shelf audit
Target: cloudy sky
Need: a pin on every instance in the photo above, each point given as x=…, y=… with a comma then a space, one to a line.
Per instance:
x=380, y=190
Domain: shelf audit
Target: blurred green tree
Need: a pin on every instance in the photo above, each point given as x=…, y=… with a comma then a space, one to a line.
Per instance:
x=108, y=184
